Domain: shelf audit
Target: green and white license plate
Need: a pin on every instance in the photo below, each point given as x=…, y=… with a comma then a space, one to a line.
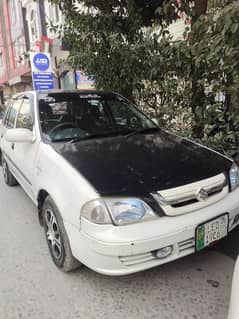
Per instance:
x=211, y=231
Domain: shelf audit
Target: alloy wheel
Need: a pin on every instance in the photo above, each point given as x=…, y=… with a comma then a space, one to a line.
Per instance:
x=53, y=234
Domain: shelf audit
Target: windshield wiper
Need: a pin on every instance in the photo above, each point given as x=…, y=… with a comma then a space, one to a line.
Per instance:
x=99, y=135
x=143, y=130
x=127, y=132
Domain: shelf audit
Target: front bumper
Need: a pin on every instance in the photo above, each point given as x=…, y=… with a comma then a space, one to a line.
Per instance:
x=121, y=250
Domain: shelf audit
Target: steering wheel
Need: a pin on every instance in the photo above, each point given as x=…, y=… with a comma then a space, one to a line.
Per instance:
x=133, y=122
x=61, y=126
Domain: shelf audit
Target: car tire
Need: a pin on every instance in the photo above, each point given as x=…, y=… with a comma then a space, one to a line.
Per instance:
x=9, y=179
x=56, y=236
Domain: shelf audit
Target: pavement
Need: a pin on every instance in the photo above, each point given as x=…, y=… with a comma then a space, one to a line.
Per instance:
x=31, y=287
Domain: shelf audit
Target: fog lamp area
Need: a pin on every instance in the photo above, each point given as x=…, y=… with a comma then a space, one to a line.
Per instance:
x=163, y=252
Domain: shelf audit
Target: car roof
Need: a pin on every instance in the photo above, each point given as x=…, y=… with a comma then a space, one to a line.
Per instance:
x=58, y=91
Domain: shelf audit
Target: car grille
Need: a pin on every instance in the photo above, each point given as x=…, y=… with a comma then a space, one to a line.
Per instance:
x=186, y=244
x=194, y=196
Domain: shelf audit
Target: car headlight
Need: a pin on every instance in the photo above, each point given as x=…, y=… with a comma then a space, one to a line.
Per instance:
x=117, y=211
x=234, y=176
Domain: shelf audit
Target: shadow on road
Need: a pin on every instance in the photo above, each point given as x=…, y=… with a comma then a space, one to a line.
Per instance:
x=229, y=246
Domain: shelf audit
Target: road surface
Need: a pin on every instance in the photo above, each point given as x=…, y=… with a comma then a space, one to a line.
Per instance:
x=31, y=287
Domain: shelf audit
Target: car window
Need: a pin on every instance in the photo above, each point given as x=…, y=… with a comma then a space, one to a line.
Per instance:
x=127, y=116
x=2, y=111
x=12, y=113
x=96, y=109
x=66, y=116
x=25, y=117
x=5, y=117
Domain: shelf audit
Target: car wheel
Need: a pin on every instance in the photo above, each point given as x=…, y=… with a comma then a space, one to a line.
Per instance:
x=57, y=239
x=9, y=179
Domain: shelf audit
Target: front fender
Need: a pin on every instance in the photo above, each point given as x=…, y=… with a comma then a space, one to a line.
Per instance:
x=67, y=187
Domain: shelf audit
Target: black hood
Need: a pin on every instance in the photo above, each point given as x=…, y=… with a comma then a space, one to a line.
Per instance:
x=142, y=163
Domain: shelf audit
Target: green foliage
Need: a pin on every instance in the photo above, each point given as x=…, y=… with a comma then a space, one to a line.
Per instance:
x=109, y=39
x=215, y=56
x=166, y=101
x=191, y=85
x=199, y=78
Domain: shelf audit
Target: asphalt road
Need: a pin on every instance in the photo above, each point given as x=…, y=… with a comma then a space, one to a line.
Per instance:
x=31, y=287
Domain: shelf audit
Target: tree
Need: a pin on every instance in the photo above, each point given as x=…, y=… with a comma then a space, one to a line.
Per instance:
x=197, y=89
x=218, y=59
x=125, y=44
x=199, y=99
x=108, y=39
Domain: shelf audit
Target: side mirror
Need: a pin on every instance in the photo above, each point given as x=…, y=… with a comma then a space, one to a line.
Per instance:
x=26, y=121
x=155, y=121
x=19, y=135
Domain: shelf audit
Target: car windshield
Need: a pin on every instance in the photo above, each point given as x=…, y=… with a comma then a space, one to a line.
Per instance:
x=76, y=116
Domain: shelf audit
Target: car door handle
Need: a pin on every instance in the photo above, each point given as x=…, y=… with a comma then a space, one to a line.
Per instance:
x=13, y=145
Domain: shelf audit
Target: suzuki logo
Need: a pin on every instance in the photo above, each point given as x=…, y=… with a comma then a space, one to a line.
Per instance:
x=202, y=194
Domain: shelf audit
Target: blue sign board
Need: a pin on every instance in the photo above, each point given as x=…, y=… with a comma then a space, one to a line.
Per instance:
x=41, y=62
x=84, y=81
x=42, y=75
x=43, y=80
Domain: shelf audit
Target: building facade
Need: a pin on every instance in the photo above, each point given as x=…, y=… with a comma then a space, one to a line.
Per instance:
x=14, y=69
x=40, y=15
x=25, y=28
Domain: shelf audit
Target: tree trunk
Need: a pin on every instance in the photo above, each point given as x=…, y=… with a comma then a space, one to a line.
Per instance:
x=198, y=94
x=128, y=93
x=198, y=97
x=200, y=7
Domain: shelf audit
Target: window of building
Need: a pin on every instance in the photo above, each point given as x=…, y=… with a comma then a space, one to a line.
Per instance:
x=51, y=14
x=1, y=60
x=57, y=13
x=33, y=25
x=18, y=48
x=12, y=11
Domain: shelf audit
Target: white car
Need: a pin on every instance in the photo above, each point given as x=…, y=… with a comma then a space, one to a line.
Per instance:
x=114, y=192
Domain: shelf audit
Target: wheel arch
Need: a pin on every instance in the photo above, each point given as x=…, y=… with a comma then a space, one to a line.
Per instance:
x=42, y=195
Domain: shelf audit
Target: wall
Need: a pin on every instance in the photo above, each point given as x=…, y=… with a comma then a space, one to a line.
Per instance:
x=40, y=14
x=15, y=69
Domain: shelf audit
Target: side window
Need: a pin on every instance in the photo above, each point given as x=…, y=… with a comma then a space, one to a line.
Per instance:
x=127, y=115
x=6, y=116
x=95, y=109
x=25, y=117
x=119, y=112
x=2, y=111
x=12, y=113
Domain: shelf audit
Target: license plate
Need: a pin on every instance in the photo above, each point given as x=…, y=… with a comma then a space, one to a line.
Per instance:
x=211, y=231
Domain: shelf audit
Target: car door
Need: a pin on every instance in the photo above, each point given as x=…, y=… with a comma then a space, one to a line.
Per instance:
x=9, y=122
x=24, y=154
